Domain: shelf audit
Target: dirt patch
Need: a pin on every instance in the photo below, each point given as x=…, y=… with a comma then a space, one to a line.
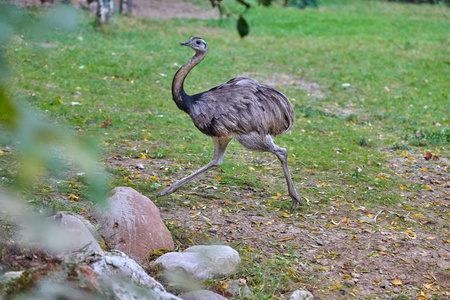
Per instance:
x=172, y=9
x=330, y=250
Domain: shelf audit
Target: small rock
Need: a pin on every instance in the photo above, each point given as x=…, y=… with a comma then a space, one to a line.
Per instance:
x=356, y=275
x=132, y=224
x=349, y=283
x=402, y=276
x=200, y=262
x=382, y=248
x=385, y=284
x=212, y=230
x=238, y=288
x=202, y=295
x=301, y=295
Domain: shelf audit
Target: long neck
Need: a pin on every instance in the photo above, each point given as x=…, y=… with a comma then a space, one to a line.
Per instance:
x=178, y=94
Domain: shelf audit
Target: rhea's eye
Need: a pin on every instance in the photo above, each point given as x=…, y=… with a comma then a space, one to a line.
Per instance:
x=198, y=42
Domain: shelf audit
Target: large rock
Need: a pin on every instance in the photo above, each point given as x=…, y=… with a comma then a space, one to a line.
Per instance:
x=200, y=262
x=202, y=295
x=126, y=279
x=75, y=235
x=132, y=224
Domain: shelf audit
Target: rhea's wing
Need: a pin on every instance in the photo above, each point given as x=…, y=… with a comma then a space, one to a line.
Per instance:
x=240, y=106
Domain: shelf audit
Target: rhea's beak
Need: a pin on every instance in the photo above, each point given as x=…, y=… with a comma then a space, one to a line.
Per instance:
x=184, y=44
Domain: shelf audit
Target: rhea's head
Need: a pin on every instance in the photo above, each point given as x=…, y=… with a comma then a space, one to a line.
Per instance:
x=196, y=43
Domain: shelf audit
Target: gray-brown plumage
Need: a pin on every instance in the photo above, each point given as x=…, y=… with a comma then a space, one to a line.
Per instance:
x=241, y=108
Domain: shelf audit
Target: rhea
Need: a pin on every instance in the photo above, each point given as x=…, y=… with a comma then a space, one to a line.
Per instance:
x=242, y=109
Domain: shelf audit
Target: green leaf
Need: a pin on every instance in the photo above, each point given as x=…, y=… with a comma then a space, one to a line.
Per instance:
x=8, y=112
x=242, y=27
x=265, y=2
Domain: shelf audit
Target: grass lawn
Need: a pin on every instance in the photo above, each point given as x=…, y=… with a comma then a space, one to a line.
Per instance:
x=370, y=86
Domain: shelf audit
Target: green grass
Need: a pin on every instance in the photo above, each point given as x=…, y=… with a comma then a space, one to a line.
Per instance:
x=395, y=58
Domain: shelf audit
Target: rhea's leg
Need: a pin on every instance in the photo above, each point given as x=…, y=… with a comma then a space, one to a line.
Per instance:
x=220, y=145
x=254, y=142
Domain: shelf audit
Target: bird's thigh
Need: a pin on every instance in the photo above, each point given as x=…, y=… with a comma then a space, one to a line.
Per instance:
x=253, y=141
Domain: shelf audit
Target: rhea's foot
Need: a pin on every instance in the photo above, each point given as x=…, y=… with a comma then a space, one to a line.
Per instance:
x=295, y=202
x=167, y=191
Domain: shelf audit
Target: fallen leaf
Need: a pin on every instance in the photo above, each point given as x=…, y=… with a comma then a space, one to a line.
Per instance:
x=74, y=198
x=397, y=281
x=345, y=220
x=286, y=239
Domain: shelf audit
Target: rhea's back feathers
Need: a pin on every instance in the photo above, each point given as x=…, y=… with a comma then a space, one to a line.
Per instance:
x=240, y=106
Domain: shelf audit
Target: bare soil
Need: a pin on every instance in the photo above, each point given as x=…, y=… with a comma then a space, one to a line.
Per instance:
x=405, y=252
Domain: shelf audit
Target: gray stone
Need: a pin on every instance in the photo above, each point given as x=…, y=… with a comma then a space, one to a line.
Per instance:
x=385, y=284
x=349, y=283
x=200, y=262
x=8, y=276
x=202, y=295
x=402, y=277
x=301, y=295
x=127, y=279
x=238, y=288
x=75, y=235
x=132, y=224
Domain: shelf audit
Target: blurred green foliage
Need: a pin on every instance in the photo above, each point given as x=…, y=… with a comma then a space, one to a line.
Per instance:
x=39, y=146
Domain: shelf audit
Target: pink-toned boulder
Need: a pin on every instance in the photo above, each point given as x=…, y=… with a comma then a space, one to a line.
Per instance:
x=131, y=223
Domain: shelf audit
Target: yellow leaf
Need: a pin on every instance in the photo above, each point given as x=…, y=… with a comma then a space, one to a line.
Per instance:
x=418, y=215
x=138, y=175
x=218, y=178
x=345, y=220
x=74, y=198
x=402, y=188
x=409, y=231
x=370, y=216
x=397, y=281
x=285, y=239
x=152, y=177
x=277, y=196
x=431, y=237
x=425, y=169
x=428, y=285
x=405, y=260
x=224, y=286
x=422, y=296
x=251, y=168
x=1, y=151
x=143, y=156
x=157, y=252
